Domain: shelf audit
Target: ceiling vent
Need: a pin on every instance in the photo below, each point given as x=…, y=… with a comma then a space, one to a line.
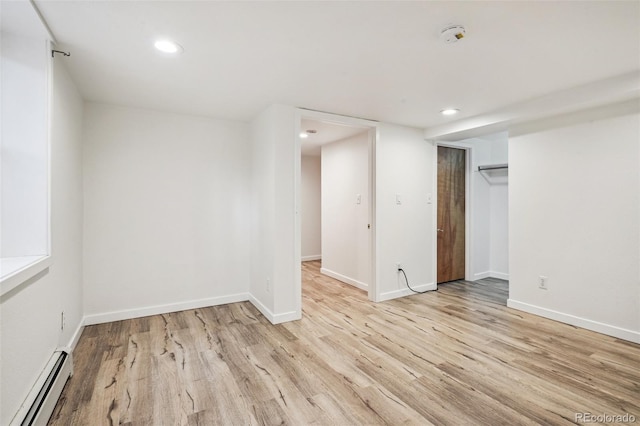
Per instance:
x=452, y=33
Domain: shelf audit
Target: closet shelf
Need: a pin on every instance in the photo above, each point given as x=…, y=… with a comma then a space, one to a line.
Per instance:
x=493, y=167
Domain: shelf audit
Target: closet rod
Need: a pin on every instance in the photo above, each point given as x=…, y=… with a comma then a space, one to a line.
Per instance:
x=493, y=167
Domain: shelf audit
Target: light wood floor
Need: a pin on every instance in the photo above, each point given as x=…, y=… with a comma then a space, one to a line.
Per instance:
x=455, y=356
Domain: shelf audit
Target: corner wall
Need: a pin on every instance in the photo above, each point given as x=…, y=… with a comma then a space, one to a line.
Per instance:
x=346, y=253
x=274, y=264
x=405, y=165
x=575, y=218
x=310, y=207
x=31, y=313
x=167, y=207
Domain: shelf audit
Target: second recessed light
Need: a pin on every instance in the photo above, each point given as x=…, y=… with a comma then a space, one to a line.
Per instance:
x=450, y=111
x=168, y=46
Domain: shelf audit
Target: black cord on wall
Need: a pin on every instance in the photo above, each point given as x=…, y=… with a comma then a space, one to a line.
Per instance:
x=407, y=281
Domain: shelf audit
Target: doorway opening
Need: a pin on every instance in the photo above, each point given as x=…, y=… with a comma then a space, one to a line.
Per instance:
x=485, y=224
x=451, y=253
x=336, y=197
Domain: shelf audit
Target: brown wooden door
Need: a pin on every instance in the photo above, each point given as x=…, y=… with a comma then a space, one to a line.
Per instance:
x=451, y=216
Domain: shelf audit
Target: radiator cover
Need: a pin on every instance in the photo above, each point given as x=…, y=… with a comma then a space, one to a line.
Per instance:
x=41, y=401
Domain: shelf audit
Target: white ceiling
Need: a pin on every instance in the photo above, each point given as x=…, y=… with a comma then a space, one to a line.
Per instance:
x=377, y=60
x=17, y=18
x=325, y=133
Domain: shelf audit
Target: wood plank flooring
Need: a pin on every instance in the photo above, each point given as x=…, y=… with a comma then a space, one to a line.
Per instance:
x=456, y=356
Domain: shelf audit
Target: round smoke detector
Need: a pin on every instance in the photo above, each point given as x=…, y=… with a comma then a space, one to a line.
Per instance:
x=452, y=33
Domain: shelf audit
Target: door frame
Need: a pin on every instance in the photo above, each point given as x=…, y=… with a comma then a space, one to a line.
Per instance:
x=373, y=137
x=468, y=201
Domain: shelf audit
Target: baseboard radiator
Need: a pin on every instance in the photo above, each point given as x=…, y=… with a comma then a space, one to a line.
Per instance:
x=41, y=401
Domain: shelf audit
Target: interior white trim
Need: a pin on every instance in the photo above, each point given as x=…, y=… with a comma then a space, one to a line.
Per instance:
x=373, y=127
x=336, y=118
x=610, y=330
x=52, y=38
x=344, y=279
x=490, y=274
x=20, y=272
x=407, y=292
x=314, y=257
x=481, y=275
x=163, y=309
x=373, y=290
x=262, y=308
x=73, y=342
x=274, y=318
x=434, y=209
x=297, y=225
x=286, y=317
x=499, y=275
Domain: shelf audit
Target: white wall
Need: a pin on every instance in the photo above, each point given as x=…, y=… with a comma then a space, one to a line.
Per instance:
x=24, y=160
x=30, y=313
x=575, y=218
x=480, y=231
x=499, y=209
x=346, y=253
x=275, y=254
x=310, y=205
x=167, y=209
x=499, y=228
x=498, y=202
x=263, y=232
x=405, y=165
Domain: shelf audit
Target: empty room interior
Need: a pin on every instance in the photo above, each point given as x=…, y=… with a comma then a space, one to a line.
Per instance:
x=313, y=212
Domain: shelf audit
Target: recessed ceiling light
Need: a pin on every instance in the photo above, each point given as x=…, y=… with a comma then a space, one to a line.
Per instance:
x=304, y=135
x=449, y=111
x=168, y=46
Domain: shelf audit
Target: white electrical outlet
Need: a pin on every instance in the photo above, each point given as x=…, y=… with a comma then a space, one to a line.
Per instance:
x=398, y=266
x=543, y=282
x=268, y=285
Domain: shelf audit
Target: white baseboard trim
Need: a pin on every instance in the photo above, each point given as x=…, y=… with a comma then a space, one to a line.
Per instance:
x=499, y=275
x=481, y=275
x=274, y=318
x=344, y=279
x=286, y=317
x=308, y=258
x=610, y=330
x=263, y=309
x=491, y=274
x=394, y=294
x=163, y=309
x=76, y=336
